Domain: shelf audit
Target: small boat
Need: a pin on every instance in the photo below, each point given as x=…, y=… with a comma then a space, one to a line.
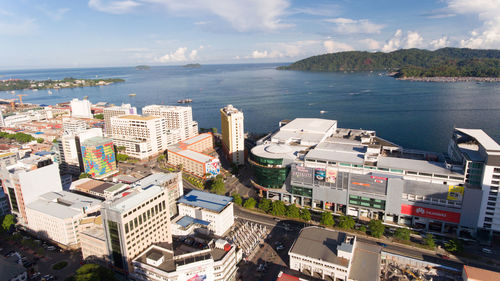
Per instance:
x=12, y=92
x=49, y=92
x=85, y=97
x=35, y=90
x=185, y=101
x=132, y=95
x=322, y=111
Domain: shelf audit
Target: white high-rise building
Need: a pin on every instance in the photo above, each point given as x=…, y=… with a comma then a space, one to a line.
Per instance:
x=108, y=112
x=73, y=125
x=142, y=136
x=177, y=117
x=1, y=119
x=29, y=178
x=233, y=134
x=81, y=108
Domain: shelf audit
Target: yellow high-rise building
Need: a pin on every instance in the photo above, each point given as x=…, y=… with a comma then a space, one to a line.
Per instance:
x=233, y=135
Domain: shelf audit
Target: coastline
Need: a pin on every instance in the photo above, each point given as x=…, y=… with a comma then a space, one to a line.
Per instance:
x=450, y=79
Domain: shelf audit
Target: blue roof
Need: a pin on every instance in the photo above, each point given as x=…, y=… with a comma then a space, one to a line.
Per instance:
x=206, y=200
x=43, y=153
x=186, y=221
x=38, y=133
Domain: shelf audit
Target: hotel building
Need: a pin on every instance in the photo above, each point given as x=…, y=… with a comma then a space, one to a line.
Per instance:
x=81, y=108
x=108, y=112
x=98, y=156
x=179, y=119
x=233, y=134
x=171, y=182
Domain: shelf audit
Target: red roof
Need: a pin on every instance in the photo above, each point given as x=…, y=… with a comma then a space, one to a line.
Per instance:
x=287, y=277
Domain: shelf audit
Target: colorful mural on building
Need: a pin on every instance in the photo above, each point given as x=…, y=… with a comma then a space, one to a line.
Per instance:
x=98, y=157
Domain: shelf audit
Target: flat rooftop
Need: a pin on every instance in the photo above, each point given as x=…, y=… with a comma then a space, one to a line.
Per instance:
x=197, y=138
x=90, y=185
x=95, y=141
x=195, y=155
x=134, y=198
x=155, y=179
x=365, y=264
x=486, y=141
x=304, y=130
x=63, y=204
x=415, y=165
x=321, y=244
x=186, y=221
x=138, y=117
x=205, y=200
x=475, y=273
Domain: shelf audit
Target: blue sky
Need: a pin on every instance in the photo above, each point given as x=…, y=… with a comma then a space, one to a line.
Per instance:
x=78, y=33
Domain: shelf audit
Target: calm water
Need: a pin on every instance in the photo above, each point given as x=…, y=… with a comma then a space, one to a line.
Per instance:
x=413, y=114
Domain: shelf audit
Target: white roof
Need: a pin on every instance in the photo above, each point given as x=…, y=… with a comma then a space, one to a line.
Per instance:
x=63, y=204
x=486, y=141
x=197, y=156
x=307, y=130
x=135, y=198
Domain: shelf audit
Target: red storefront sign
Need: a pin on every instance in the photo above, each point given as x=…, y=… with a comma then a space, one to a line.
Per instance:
x=430, y=213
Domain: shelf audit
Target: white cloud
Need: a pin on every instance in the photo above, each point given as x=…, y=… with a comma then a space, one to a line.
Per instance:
x=265, y=54
x=440, y=43
x=488, y=12
x=332, y=46
x=370, y=44
x=180, y=55
x=351, y=26
x=412, y=40
x=193, y=55
x=114, y=7
x=286, y=50
x=17, y=26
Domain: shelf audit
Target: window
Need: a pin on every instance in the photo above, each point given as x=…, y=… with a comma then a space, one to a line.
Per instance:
x=488, y=219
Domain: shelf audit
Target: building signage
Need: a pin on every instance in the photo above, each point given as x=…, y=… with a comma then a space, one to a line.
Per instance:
x=303, y=172
x=320, y=174
x=455, y=193
x=331, y=175
x=430, y=213
x=379, y=179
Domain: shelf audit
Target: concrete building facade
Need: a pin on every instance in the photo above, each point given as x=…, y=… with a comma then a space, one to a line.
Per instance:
x=179, y=119
x=81, y=108
x=233, y=134
x=108, y=112
x=98, y=156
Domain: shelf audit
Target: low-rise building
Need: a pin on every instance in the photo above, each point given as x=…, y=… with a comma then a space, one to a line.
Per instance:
x=11, y=270
x=471, y=273
x=215, y=209
x=57, y=215
x=216, y=261
x=93, y=244
x=98, y=189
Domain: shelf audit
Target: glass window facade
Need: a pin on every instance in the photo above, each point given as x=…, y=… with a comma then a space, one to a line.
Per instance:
x=13, y=199
x=367, y=202
x=303, y=191
x=266, y=173
x=114, y=236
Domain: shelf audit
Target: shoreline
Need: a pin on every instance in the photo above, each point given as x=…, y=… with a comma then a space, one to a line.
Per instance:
x=450, y=79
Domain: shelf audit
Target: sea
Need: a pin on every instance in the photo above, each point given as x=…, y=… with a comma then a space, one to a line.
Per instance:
x=418, y=115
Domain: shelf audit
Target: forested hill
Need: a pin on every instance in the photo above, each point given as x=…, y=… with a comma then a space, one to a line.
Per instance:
x=446, y=62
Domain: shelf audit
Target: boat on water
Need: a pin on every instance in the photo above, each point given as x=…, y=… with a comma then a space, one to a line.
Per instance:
x=12, y=92
x=132, y=95
x=49, y=92
x=185, y=101
x=322, y=111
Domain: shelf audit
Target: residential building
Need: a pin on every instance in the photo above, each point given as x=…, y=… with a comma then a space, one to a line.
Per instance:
x=2, y=124
x=193, y=155
x=470, y=273
x=70, y=150
x=4, y=204
x=329, y=255
x=99, y=159
x=8, y=158
x=73, y=125
x=108, y=112
x=171, y=182
x=233, y=134
x=31, y=115
x=179, y=119
x=81, y=108
x=215, y=209
x=216, y=261
x=142, y=136
x=134, y=222
x=11, y=270
x=57, y=216
x=29, y=178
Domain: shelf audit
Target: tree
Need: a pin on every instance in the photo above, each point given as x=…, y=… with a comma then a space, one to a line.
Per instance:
x=429, y=240
x=161, y=158
x=8, y=222
x=218, y=186
x=84, y=175
x=292, y=211
x=265, y=205
x=55, y=141
x=278, y=208
x=214, y=130
x=402, y=234
x=93, y=272
x=346, y=222
x=454, y=245
x=122, y=157
x=121, y=148
x=305, y=214
x=250, y=203
x=234, y=169
x=376, y=228
x=99, y=116
x=237, y=199
x=327, y=219
x=362, y=229
x=39, y=140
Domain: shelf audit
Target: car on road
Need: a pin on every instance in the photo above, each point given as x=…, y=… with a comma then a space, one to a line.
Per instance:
x=276, y=219
x=487, y=251
x=445, y=257
x=382, y=244
x=280, y=247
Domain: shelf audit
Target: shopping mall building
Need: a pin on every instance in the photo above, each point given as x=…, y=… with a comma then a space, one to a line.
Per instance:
x=312, y=163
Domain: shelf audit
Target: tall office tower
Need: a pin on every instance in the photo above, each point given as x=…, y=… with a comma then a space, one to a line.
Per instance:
x=70, y=150
x=2, y=124
x=480, y=156
x=80, y=108
x=134, y=222
x=233, y=135
x=177, y=117
x=27, y=179
x=108, y=112
x=73, y=125
x=99, y=159
x=142, y=136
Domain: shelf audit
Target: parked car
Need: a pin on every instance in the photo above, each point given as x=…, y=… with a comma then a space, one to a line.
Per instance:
x=280, y=247
x=382, y=244
x=487, y=251
x=446, y=257
x=51, y=248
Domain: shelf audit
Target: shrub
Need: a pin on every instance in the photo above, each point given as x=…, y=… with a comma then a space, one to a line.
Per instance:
x=376, y=228
x=265, y=205
x=429, y=240
x=237, y=199
x=402, y=234
x=250, y=203
x=292, y=211
x=346, y=222
x=454, y=245
x=327, y=219
x=278, y=208
x=60, y=265
x=305, y=214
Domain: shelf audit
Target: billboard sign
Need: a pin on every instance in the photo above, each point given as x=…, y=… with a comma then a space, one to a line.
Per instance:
x=331, y=175
x=320, y=174
x=455, y=193
x=430, y=213
x=303, y=173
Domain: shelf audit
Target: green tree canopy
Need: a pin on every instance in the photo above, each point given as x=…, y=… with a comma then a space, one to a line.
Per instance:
x=84, y=175
x=218, y=186
x=265, y=205
x=237, y=199
x=99, y=116
x=429, y=240
x=39, y=140
x=292, y=211
x=346, y=222
x=327, y=219
x=402, y=234
x=305, y=214
x=93, y=272
x=278, y=208
x=454, y=245
x=122, y=157
x=376, y=228
x=8, y=222
x=250, y=203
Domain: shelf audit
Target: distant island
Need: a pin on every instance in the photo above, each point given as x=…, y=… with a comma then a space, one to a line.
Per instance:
x=412, y=64
x=19, y=84
x=143, y=67
x=192, y=65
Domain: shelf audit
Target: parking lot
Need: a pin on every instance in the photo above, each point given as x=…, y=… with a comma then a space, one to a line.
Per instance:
x=39, y=260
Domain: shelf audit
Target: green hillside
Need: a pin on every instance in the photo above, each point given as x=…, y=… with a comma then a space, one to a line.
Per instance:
x=446, y=62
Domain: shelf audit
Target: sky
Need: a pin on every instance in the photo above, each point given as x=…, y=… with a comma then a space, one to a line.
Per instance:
x=101, y=33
